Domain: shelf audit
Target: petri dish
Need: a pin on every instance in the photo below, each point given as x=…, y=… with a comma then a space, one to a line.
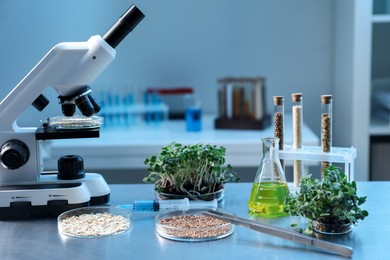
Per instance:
x=94, y=222
x=329, y=229
x=75, y=122
x=191, y=225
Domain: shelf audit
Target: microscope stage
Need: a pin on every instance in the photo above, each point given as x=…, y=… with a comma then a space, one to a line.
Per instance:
x=47, y=134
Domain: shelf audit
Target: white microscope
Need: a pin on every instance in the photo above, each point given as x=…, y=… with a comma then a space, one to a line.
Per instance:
x=25, y=191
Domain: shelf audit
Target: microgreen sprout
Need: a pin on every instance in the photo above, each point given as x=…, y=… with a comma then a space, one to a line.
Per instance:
x=189, y=169
x=332, y=200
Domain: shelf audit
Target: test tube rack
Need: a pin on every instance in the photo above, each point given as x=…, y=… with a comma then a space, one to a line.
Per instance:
x=314, y=153
x=135, y=113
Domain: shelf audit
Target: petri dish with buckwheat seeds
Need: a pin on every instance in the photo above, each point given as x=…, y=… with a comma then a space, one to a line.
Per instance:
x=191, y=225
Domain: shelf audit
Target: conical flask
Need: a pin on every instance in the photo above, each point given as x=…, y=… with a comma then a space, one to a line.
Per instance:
x=270, y=188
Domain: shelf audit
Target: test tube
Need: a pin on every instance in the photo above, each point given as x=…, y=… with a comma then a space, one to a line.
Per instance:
x=326, y=128
x=279, y=122
x=297, y=115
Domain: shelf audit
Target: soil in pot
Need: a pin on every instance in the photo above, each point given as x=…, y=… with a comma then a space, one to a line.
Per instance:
x=325, y=228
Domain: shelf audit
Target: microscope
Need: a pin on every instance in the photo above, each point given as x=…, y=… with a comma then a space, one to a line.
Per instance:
x=69, y=68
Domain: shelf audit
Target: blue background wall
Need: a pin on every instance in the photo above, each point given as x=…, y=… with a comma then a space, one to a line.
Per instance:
x=182, y=42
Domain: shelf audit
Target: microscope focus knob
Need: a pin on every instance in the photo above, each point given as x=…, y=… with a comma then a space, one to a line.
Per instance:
x=14, y=154
x=70, y=167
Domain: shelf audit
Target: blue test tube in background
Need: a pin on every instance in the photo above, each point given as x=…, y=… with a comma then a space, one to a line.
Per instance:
x=158, y=116
x=193, y=113
x=147, y=102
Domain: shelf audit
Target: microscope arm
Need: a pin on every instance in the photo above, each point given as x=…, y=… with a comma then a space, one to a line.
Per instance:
x=67, y=67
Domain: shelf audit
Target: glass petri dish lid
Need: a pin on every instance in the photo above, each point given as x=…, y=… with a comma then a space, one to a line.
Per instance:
x=94, y=222
x=75, y=122
x=191, y=225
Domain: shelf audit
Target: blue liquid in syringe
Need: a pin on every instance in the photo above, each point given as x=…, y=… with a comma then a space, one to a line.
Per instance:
x=157, y=205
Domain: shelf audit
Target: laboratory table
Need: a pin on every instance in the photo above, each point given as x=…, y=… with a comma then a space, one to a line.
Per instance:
x=39, y=238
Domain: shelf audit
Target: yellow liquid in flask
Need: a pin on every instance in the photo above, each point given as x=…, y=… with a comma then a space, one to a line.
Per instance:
x=267, y=199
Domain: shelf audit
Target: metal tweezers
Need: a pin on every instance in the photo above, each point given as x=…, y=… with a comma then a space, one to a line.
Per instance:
x=282, y=233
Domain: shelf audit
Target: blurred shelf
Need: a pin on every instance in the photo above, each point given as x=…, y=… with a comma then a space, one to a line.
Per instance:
x=127, y=148
x=381, y=18
x=379, y=126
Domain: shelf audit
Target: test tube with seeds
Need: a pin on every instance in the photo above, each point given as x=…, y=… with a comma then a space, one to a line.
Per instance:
x=326, y=128
x=279, y=122
x=297, y=116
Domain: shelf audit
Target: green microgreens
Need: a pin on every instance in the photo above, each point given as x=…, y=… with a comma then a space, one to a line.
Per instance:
x=189, y=169
x=332, y=200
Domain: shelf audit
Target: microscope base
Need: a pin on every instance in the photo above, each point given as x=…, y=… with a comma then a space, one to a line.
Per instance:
x=51, y=197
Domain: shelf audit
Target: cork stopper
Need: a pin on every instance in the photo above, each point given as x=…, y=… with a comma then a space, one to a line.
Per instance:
x=296, y=97
x=278, y=100
x=326, y=99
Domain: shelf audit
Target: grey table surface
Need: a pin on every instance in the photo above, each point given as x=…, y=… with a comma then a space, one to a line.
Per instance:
x=40, y=239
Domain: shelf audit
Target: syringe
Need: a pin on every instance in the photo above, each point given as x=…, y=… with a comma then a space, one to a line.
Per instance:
x=156, y=205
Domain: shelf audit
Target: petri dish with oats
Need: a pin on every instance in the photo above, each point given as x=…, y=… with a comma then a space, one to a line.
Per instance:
x=94, y=222
x=191, y=225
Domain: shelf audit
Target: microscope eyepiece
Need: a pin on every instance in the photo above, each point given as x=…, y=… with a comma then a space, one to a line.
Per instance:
x=125, y=24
